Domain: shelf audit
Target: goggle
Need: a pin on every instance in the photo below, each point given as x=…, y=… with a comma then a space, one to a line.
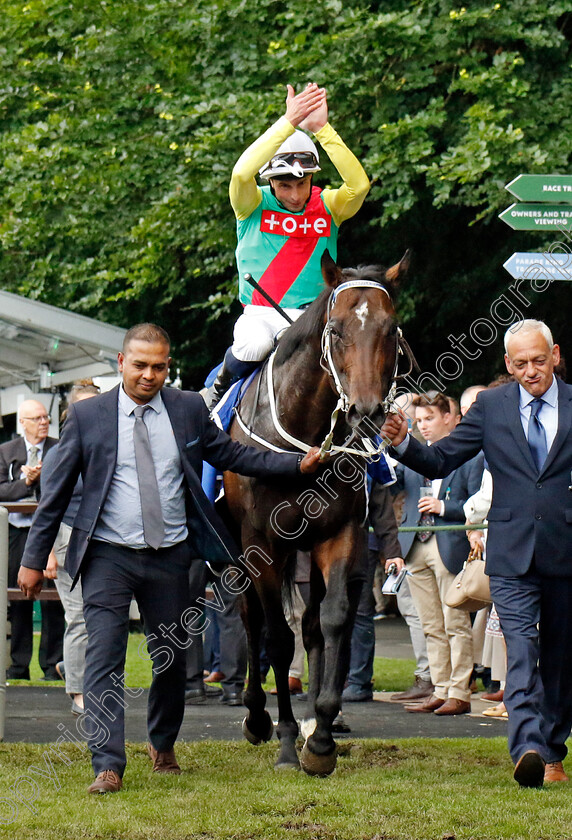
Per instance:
x=305, y=159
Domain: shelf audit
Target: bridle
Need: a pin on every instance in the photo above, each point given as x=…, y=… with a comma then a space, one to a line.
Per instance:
x=366, y=447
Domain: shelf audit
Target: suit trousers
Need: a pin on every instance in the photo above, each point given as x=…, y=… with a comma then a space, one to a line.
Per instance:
x=536, y=619
x=21, y=615
x=232, y=635
x=113, y=574
x=75, y=636
x=448, y=631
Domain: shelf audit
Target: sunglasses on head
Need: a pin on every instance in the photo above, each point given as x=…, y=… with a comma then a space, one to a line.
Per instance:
x=303, y=158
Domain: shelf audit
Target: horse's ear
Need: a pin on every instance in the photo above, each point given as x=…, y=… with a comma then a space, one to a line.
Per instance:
x=397, y=272
x=330, y=272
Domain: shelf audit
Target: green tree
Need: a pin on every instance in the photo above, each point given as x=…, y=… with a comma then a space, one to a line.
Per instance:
x=120, y=122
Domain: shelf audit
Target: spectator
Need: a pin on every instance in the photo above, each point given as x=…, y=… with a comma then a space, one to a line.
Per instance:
x=433, y=560
x=20, y=469
x=75, y=637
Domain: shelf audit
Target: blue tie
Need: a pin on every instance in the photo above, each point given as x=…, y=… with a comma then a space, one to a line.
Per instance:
x=537, y=434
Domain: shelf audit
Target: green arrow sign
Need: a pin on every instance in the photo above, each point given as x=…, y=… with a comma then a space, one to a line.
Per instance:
x=537, y=217
x=541, y=188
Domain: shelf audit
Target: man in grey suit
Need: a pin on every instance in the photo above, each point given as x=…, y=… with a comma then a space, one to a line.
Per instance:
x=525, y=431
x=20, y=469
x=143, y=516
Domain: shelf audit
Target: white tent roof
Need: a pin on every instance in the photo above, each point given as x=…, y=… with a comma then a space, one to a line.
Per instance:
x=43, y=347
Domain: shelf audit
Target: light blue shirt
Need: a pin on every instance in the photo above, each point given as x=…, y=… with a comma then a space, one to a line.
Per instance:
x=548, y=414
x=121, y=521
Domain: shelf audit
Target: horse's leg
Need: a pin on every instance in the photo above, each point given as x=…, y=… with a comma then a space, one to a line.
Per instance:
x=314, y=644
x=334, y=557
x=257, y=726
x=280, y=646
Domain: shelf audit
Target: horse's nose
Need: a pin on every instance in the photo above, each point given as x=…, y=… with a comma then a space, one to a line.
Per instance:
x=359, y=411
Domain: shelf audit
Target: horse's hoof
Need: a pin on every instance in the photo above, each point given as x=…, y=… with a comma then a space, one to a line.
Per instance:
x=258, y=739
x=287, y=765
x=317, y=765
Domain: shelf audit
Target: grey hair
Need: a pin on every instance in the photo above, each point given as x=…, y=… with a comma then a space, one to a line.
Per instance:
x=528, y=325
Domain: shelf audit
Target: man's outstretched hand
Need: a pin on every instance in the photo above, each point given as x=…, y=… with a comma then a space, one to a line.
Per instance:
x=394, y=429
x=310, y=461
x=30, y=581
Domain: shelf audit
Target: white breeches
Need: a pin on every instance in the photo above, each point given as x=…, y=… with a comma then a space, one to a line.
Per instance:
x=256, y=330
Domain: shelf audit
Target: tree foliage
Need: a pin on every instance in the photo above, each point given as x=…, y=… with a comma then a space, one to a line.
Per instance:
x=120, y=122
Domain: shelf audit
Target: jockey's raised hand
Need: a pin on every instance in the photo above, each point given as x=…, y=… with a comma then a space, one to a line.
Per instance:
x=300, y=105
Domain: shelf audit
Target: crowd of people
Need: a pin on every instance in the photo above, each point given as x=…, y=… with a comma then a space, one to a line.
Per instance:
x=122, y=513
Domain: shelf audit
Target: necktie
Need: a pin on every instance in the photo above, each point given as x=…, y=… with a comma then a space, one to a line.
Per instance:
x=537, y=434
x=426, y=519
x=33, y=456
x=153, y=525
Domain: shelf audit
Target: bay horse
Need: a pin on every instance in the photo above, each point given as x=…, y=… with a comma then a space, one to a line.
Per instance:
x=326, y=382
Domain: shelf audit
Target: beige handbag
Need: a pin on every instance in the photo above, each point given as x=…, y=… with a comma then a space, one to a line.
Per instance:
x=470, y=590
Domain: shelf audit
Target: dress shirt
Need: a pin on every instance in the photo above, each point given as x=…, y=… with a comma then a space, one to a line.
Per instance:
x=121, y=521
x=24, y=520
x=548, y=414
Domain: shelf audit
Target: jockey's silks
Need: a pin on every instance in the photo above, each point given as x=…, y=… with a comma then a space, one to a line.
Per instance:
x=282, y=250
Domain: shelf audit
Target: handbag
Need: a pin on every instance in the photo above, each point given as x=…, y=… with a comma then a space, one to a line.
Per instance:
x=470, y=590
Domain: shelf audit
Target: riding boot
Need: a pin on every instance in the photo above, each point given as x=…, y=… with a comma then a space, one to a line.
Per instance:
x=232, y=370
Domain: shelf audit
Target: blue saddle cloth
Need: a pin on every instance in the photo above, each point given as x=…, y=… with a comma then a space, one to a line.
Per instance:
x=222, y=416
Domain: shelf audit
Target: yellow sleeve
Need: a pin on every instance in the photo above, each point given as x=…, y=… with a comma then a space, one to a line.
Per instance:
x=344, y=202
x=245, y=195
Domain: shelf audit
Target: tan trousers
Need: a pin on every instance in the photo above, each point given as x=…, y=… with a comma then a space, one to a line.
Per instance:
x=447, y=630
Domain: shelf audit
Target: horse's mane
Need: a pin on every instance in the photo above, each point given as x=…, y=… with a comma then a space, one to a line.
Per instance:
x=311, y=322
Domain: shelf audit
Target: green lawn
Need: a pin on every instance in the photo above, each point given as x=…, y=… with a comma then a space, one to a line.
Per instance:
x=416, y=788
x=410, y=789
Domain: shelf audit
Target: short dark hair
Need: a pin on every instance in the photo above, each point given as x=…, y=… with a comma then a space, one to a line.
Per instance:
x=439, y=401
x=151, y=333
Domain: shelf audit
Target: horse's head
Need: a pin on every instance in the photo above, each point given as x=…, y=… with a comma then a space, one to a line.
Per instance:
x=361, y=335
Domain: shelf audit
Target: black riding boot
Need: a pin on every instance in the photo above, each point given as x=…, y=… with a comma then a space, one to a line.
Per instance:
x=232, y=369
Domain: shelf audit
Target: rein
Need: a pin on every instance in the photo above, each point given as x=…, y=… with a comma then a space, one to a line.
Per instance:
x=370, y=451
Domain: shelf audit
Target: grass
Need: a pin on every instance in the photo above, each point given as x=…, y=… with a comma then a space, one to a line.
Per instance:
x=409, y=789
x=413, y=789
x=388, y=674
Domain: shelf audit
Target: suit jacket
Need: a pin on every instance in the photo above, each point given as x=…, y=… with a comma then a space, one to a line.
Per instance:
x=13, y=456
x=88, y=446
x=531, y=512
x=456, y=488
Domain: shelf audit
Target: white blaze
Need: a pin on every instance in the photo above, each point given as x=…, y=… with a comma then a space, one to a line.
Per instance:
x=362, y=313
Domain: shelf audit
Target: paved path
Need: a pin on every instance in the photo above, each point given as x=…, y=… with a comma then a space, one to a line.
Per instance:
x=33, y=714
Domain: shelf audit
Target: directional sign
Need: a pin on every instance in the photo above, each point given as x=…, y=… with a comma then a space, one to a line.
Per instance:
x=541, y=187
x=537, y=216
x=546, y=266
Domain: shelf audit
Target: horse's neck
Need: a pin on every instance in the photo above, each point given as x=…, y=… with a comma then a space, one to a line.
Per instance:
x=304, y=396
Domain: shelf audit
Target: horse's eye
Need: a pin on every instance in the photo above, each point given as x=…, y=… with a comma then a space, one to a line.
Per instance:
x=393, y=329
x=335, y=332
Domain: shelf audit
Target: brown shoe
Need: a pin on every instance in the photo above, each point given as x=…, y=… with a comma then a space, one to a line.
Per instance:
x=454, y=707
x=108, y=781
x=294, y=686
x=214, y=676
x=494, y=696
x=429, y=705
x=529, y=770
x=418, y=691
x=163, y=762
x=554, y=772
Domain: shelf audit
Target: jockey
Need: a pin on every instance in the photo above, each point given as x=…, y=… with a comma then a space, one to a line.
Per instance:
x=284, y=228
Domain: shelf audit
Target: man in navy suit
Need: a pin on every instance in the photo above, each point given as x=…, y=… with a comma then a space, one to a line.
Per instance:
x=525, y=431
x=434, y=558
x=142, y=518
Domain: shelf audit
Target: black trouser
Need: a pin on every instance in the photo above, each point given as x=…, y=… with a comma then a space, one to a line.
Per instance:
x=159, y=581
x=20, y=615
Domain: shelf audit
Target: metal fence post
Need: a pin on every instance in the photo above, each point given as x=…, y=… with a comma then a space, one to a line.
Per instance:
x=3, y=613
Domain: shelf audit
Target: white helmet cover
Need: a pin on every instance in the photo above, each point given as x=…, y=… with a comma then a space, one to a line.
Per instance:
x=297, y=156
